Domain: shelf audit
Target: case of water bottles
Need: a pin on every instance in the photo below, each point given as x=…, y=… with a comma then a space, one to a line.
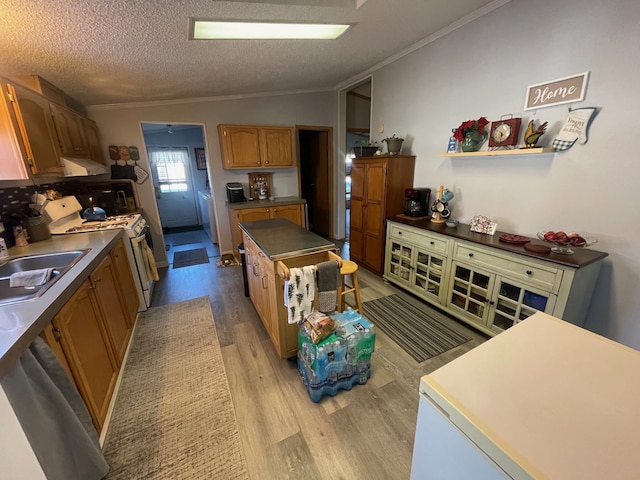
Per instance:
x=341, y=360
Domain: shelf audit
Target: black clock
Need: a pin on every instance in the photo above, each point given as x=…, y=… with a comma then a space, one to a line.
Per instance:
x=504, y=133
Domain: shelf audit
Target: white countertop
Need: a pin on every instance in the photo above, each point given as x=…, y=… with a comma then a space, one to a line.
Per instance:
x=547, y=399
x=21, y=322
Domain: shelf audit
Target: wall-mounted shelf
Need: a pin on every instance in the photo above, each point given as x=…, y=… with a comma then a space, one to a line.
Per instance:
x=496, y=153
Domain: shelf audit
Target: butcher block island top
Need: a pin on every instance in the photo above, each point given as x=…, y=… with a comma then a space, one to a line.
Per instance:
x=279, y=238
x=271, y=248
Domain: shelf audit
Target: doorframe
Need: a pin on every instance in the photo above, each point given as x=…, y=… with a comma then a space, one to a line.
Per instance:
x=330, y=173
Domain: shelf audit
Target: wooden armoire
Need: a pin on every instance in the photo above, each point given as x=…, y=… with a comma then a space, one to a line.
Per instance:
x=377, y=192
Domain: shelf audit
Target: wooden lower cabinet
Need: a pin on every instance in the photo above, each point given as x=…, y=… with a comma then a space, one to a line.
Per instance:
x=125, y=282
x=88, y=350
x=293, y=212
x=91, y=332
x=112, y=306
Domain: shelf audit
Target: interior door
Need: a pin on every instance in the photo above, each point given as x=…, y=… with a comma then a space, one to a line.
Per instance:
x=175, y=195
x=315, y=177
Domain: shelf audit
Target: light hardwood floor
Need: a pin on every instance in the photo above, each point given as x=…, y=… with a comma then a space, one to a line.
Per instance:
x=364, y=433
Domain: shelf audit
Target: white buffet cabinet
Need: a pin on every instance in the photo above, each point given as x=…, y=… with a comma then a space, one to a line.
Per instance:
x=487, y=285
x=544, y=400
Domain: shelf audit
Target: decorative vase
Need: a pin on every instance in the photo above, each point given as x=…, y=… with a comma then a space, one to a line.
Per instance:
x=471, y=142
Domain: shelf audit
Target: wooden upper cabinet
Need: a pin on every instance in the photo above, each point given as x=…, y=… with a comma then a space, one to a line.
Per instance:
x=240, y=146
x=12, y=166
x=35, y=124
x=250, y=146
x=92, y=139
x=276, y=147
x=69, y=127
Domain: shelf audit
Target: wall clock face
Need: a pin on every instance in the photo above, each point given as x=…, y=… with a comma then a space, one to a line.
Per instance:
x=504, y=132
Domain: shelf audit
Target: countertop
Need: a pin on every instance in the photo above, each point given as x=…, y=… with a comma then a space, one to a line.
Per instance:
x=21, y=322
x=582, y=256
x=266, y=203
x=280, y=238
x=547, y=398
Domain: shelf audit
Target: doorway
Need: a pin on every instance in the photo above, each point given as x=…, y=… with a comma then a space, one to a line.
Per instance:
x=171, y=150
x=358, y=120
x=316, y=174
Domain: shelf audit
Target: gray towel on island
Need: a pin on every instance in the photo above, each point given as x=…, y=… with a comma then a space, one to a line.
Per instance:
x=30, y=278
x=328, y=278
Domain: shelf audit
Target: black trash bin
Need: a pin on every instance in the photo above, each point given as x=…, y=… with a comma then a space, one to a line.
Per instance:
x=244, y=268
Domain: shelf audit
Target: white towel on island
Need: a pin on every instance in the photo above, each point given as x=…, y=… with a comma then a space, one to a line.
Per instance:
x=300, y=292
x=30, y=278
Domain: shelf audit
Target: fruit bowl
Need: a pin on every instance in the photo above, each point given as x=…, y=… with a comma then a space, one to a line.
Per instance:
x=565, y=243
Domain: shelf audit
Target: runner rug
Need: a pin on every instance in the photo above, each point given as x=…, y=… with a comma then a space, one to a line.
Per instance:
x=420, y=330
x=173, y=417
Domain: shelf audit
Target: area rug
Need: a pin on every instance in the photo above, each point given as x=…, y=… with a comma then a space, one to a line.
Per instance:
x=173, y=417
x=187, y=238
x=420, y=330
x=188, y=258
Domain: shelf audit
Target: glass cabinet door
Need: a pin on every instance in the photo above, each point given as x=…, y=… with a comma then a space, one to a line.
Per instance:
x=400, y=257
x=428, y=273
x=515, y=302
x=470, y=292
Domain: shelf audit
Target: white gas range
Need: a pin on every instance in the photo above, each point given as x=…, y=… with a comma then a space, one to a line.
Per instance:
x=64, y=216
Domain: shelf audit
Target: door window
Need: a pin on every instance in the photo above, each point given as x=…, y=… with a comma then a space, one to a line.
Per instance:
x=171, y=167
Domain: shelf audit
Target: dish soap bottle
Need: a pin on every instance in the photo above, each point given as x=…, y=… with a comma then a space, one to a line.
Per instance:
x=453, y=143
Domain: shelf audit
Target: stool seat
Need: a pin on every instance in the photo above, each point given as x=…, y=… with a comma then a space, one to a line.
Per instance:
x=349, y=268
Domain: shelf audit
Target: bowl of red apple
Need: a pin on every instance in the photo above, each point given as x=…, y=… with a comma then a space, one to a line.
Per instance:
x=565, y=243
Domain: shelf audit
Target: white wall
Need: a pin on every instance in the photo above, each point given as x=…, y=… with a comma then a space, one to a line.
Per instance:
x=483, y=69
x=120, y=125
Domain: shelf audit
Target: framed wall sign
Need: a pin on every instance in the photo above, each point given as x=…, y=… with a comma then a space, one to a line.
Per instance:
x=201, y=159
x=556, y=92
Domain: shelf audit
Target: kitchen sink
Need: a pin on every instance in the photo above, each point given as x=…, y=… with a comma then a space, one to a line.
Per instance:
x=61, y=263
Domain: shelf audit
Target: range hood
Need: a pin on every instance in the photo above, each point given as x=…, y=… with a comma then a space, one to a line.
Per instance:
x=82, y=167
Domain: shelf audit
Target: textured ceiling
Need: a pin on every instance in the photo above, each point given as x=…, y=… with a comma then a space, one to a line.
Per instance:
x=123, y=51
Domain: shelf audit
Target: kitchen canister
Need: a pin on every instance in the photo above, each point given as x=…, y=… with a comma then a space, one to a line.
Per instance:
x=37, y=228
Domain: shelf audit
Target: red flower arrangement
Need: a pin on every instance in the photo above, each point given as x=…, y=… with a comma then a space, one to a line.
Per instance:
x=471, y=126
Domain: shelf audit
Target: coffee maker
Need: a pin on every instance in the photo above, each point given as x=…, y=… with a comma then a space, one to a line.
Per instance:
x=416, y=202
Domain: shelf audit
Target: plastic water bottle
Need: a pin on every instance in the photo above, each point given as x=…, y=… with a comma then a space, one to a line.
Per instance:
x=453, y=143
x=336, y=360
x=322, y=361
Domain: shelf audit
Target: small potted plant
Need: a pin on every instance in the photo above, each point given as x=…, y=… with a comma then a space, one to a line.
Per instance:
x=394, y=144
x=365, y=148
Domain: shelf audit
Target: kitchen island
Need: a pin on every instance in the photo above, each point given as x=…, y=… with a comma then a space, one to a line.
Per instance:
x=266, y=243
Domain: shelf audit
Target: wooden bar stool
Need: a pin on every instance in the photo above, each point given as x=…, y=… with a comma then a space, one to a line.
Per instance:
x=349, y=268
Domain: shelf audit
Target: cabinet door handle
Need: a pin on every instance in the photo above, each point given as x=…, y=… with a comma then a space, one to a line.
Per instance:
x=470, y=255
x=56, y=334
x=432, y=242
x=253, y=267
x=492, y=302
x=263, y=285
x=399, y=234
x=529, y=272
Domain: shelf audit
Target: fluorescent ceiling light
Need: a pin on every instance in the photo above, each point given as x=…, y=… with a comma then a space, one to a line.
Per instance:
x=222, y=30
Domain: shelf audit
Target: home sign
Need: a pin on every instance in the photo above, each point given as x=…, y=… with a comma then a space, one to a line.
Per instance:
x=556, y=92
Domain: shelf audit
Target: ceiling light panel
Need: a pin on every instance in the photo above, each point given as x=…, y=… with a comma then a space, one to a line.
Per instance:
x=235, y=30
